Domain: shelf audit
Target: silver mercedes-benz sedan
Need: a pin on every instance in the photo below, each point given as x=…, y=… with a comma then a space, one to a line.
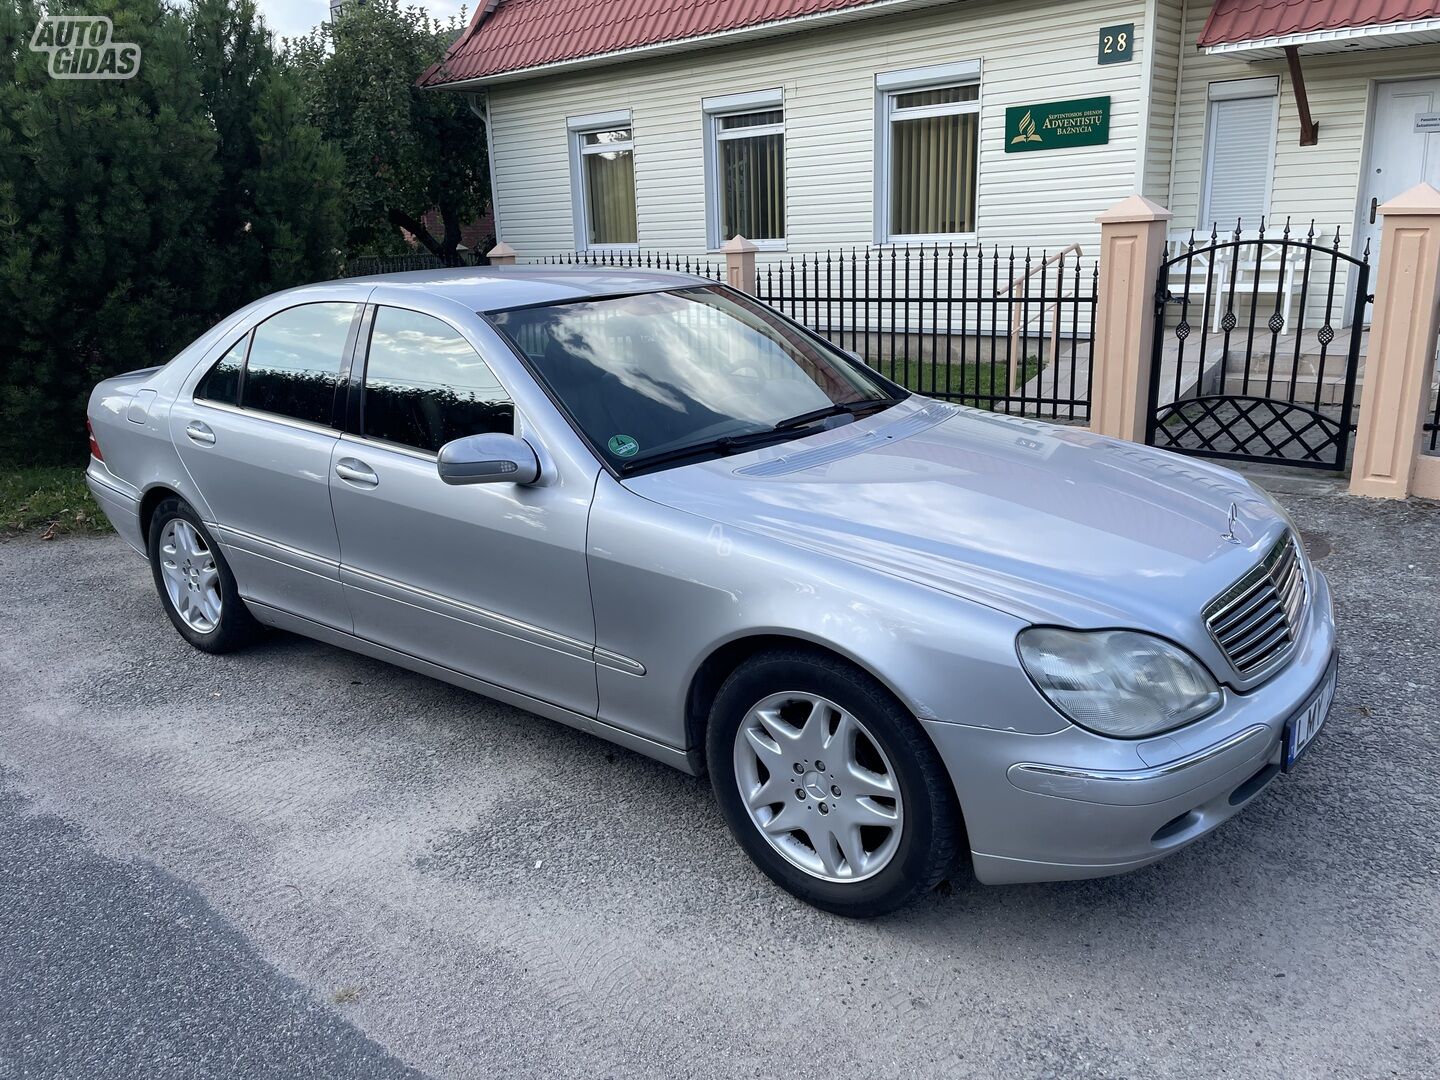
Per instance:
x=894, y=631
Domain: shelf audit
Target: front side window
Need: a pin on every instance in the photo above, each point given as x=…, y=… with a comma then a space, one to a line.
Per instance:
x=930, y=160
x=747, y=154
x=295, y=359
x=657, y=372
x=425, y=385
x=606, y=173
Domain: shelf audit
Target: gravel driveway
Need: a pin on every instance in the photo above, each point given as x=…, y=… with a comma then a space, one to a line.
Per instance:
x=295, y=861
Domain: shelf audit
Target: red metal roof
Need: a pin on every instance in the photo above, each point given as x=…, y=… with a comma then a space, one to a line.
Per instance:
x=520, y=34
x=1250, y=20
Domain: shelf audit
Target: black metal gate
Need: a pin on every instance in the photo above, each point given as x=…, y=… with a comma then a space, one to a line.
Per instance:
x=1258, y=341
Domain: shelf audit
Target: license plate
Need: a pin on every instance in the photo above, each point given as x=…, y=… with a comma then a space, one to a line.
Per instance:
x=1300, y=732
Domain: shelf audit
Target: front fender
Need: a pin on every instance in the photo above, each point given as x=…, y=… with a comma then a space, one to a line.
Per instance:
x=671, y=588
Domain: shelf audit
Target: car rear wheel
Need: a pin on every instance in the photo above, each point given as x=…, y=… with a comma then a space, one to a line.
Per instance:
x=829, y=784
x=195, y=583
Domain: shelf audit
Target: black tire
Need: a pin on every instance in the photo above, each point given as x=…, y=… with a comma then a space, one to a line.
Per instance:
x=236, y=626
x=931, y=831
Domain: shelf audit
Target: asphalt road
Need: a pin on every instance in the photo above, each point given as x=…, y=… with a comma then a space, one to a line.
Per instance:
x=298, y=862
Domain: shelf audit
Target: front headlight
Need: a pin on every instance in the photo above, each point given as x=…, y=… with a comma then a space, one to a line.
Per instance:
x=1118, y=682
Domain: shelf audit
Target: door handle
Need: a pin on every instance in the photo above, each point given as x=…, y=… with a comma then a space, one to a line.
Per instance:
x=200, y=433
x=356, y=471
x=1374, y=205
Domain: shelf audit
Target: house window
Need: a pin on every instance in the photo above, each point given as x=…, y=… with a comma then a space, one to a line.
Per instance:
x=602, y=154
x=928, y=161
x=745, y=157
x=1239, y=152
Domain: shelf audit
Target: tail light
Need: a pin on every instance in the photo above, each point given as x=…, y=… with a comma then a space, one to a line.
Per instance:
x=94, y=446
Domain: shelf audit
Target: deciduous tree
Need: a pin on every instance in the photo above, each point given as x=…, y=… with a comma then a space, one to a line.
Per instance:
x=407, y=150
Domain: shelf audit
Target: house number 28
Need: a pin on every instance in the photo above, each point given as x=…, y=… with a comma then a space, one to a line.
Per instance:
x=1117, y=43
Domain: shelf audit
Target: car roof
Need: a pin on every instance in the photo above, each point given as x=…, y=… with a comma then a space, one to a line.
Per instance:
x=494, y=288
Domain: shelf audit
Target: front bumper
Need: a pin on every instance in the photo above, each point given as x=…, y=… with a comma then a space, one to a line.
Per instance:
x=1075, y=805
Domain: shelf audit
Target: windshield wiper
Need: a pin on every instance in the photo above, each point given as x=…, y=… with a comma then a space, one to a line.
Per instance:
x=851, y=407
x=735, y=444
x=725, y=444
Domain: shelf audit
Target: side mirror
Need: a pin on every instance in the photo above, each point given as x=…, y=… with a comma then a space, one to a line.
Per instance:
x=488, y=459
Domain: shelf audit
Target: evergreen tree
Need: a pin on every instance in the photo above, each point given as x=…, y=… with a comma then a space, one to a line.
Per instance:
x=105, y=188
x=135, y=213
x=278, y=213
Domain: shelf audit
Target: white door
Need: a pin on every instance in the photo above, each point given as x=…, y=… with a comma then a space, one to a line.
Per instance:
x=1404, y=150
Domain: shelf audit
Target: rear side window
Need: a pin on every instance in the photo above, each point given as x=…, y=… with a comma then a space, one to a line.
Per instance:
x=425, y=385
x=221, y=383
x=294, y=363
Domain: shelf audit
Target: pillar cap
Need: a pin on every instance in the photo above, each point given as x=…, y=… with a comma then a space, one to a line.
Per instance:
x=501, y=250
x=737, y=245
x=1135, y=208
x=1420, y=199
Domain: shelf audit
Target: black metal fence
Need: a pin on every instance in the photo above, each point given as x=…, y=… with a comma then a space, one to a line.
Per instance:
x=1257, y=348
x=1004, y=330
x=365, y=265
x=639, y=260
x=1432, y=423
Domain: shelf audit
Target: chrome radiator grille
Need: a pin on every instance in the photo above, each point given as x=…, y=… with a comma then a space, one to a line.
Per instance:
x=1257, y=620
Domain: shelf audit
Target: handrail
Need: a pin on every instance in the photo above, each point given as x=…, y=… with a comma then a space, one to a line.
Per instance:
x=1017, y=326
x=1043, y=265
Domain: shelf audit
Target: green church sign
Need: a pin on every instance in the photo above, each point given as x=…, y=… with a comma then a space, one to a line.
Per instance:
x=1056, y=125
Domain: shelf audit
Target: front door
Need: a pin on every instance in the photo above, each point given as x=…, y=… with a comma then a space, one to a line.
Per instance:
x=489, y=580
x=1404, y=150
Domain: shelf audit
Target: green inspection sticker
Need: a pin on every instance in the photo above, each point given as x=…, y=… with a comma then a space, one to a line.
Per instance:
x=623, y=446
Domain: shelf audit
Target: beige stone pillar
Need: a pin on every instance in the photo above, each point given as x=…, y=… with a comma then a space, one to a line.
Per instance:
x=502, y=254
x=1132, y=247
x=740, y=263
x=1400, y=359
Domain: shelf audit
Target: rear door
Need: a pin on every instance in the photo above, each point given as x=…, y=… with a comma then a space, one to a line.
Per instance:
x=257, y=437
x=488, y=580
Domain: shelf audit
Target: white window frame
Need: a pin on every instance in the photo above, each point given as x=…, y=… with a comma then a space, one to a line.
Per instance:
x=577, y=127
x=889, y=84
x=715, y=109
x=1231, y=90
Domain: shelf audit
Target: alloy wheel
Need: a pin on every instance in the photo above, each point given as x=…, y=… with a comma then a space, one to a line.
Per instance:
x=192, y=579
x=818, y=786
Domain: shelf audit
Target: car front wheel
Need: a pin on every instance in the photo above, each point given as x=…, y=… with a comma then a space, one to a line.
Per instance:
x=195, y=583
x=829, y=784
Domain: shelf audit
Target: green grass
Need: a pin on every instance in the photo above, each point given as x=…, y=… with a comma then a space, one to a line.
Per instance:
x=51, y=501
x=925, y=377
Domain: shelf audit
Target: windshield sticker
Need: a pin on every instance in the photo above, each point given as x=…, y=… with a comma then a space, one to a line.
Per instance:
x=623, y=446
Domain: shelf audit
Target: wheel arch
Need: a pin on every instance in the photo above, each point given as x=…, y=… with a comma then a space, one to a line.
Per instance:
x=152, y=498
x=726, y=657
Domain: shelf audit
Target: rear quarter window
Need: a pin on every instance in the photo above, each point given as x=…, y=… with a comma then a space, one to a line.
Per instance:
x=221, y=384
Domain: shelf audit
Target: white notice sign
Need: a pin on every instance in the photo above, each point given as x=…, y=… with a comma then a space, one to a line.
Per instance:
x=1427, y=121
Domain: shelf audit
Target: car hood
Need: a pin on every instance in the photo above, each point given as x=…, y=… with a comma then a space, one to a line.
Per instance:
x=1049, y=523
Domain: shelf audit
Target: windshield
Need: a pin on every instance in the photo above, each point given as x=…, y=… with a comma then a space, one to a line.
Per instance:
x=657, y=372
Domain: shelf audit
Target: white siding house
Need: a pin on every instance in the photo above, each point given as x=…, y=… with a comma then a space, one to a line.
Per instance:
x=825, y=97
x=827, y=79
